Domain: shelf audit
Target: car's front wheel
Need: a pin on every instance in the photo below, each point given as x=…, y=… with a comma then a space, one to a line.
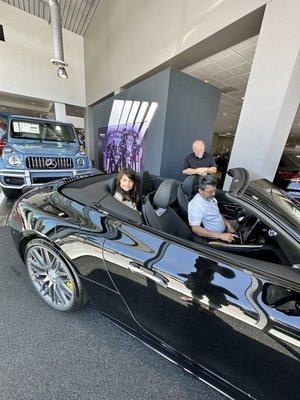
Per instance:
x=53, y=278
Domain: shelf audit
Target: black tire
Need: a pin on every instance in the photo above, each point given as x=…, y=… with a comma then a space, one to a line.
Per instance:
x=53, y=276
x=12, y=194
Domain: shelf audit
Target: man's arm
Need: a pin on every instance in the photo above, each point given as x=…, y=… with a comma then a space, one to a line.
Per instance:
x=199, y=171
x=198, y=230
x=212, y=169
x=190, y=171
x=228, y=225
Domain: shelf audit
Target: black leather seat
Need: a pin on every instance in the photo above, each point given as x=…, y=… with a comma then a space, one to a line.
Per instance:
x=159, y=215
x=186, y=192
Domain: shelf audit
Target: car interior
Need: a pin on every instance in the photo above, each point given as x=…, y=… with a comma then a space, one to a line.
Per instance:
x=163, y=207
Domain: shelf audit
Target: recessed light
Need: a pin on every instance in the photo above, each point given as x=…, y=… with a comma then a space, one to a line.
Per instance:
x=3, y=108
x=242, y=98
x=206, y=80
x=33, y=103
x=224, y=114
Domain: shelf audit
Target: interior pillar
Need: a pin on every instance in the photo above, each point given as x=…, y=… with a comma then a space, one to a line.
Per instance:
x=273, y=92
x=60, y=112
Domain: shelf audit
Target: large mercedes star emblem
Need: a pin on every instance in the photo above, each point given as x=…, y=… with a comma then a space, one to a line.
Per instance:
x=50, y=163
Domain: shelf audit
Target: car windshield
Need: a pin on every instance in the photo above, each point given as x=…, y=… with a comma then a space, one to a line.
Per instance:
x=39, y=130
x=276, y=202
x=290, y=161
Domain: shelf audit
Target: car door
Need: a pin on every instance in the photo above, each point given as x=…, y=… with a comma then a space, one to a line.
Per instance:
x=210, y=306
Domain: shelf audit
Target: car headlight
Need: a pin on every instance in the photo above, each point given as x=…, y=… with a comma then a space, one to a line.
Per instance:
x=80, y=161
x=14, y=161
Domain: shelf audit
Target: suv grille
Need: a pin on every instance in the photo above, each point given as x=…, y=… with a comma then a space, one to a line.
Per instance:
x=49, y=163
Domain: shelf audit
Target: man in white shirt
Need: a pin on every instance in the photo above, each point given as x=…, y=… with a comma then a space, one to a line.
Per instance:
x=204, y=216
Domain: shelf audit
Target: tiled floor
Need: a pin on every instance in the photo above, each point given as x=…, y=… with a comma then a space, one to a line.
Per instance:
x=5, y=209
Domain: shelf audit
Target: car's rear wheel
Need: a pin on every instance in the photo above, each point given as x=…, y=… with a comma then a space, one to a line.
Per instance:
x=12, y=193
x=53, y=277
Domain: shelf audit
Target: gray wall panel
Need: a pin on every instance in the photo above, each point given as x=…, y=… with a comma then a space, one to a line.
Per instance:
x=191, y=113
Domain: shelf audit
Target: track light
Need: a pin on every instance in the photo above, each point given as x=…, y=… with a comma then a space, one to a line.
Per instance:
x=62, y=72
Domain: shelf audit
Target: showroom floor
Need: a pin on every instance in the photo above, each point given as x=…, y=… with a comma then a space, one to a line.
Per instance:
x=50, y=355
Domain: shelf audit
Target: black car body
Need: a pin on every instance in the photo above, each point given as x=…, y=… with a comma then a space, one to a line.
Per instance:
x=228, y=313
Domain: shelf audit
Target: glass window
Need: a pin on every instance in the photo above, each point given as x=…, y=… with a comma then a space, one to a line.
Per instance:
x=35, y=130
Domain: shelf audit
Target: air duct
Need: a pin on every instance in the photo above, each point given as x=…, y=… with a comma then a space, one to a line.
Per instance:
x=58, y=49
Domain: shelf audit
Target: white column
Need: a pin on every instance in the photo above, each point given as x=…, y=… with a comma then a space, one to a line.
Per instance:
x=60, y=112
x=273, y=92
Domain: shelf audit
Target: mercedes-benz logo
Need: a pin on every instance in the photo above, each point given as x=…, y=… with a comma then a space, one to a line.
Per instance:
x=50, y=163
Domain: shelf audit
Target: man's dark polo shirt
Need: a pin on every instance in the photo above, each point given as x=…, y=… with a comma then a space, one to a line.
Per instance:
x=191, y=161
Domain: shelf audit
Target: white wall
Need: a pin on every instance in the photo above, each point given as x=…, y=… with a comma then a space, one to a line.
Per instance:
x=127, y=38
x=25, y=67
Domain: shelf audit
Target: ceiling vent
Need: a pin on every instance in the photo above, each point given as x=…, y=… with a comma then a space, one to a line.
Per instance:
x=229, y=89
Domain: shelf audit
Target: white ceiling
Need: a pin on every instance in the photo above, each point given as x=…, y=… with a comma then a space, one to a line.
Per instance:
x=22, y=105
x=229, y=71
x=76, y=14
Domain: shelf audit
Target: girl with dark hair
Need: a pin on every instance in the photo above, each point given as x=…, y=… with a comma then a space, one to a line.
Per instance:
x=126, y=190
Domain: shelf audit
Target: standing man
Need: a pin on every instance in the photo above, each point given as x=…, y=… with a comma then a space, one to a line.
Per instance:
x=199, y=162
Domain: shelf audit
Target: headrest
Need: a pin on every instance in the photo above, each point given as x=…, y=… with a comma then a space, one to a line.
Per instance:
x=166, y=193
x=189, y=185
x=112, y=186
x=145, y=183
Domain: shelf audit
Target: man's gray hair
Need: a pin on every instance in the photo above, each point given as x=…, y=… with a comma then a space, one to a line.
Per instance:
x=198, y=140
x=206, y=180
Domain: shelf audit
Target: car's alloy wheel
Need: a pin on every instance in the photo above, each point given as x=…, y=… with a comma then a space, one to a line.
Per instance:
x=52, y=277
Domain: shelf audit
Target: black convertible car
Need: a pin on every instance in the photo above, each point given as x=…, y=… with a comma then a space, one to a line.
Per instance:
x=228, y=313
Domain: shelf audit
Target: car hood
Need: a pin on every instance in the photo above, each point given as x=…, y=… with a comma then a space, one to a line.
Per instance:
x=47, y=149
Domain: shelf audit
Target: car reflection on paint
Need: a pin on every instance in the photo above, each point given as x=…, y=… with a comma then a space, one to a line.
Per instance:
x=228, y=313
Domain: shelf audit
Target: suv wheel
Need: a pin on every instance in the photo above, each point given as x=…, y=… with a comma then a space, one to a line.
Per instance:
x=12, y=193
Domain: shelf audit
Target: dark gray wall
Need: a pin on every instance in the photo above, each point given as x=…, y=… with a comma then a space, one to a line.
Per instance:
x=191, y=113
x=100, y=118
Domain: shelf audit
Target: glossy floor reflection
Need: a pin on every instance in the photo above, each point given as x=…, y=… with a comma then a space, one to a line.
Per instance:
x=5, y=209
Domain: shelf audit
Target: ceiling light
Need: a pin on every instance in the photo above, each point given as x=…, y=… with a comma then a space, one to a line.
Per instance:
x=224, y=114
x=242, y=98
x=206, y=80
x=62, y=72
x=3, y=108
